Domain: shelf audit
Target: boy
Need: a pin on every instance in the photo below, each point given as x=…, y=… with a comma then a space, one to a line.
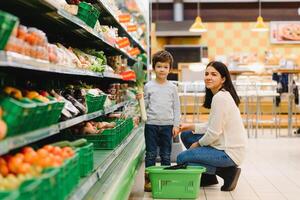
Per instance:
x=163, y=113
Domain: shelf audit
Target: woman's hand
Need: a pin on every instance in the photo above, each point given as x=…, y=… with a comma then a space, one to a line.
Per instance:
x=186, y=127
x=195, y=145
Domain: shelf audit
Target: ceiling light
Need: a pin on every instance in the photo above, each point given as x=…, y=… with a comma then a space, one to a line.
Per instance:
x=260, y=26
x=198, y=26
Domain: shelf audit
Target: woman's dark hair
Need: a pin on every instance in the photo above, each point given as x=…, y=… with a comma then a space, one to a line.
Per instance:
x=227, y=85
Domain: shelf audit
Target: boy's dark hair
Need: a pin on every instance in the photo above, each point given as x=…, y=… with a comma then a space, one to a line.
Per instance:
x=162, y=56
x=227, y=85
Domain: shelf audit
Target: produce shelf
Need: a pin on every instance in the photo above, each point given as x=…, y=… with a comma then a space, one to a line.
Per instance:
x=11, y=59
x=107, y=162
x=76, y=21
x=11, y=143
x=14, y=142
x=57, y=22
x=111, y=19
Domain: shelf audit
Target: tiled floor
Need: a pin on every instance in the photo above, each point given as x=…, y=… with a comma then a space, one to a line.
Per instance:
x=271, y=171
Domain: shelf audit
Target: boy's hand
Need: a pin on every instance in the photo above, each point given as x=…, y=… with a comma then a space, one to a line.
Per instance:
x=139, y=96
x=175, y=131
x=185, y=127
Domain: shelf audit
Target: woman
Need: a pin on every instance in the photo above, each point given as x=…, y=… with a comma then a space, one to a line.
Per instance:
x=222, y=146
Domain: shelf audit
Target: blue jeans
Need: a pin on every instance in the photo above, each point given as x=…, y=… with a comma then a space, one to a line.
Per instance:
x=158, y=136
x=206, y=156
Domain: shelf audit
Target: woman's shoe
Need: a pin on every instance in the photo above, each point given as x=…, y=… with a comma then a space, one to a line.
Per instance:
x=147, y=185
x=208, y=179
x=230, y=175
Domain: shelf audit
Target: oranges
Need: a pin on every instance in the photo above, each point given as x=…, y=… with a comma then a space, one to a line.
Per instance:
x=28, y=159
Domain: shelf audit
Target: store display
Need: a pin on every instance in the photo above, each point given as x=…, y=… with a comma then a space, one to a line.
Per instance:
x=88, y=13
x=104, y=135
x=59, y=89
x=7, y=26
x=25, y=112
x=30, y=163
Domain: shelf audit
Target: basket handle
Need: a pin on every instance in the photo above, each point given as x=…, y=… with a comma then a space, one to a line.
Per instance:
x=175, y=167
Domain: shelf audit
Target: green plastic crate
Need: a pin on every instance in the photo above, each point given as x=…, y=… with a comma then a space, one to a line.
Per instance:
x=129, y=125
x=68, y=177
x=175, y=184
x=60, y=188
x=17, y=115
x=9, y=195
x=94, y=103
x=49, y=182
x=58, y=107
x=55, y=113
x=42, y=116
x=29, y=123
x=108, y=139
x=30, y=190
x=7, y=24
x=65, y=177
x=123, y=130
x=88, y=13
x=86, y=159
x=73, y=174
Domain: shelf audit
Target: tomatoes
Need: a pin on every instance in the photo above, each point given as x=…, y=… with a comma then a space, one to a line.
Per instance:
x=28, y=160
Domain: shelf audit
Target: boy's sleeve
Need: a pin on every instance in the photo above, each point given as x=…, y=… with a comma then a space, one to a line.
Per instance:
x=176, y=108
x=146, y=96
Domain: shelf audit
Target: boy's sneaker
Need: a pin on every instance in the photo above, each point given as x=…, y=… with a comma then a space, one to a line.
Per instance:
x=147, y=185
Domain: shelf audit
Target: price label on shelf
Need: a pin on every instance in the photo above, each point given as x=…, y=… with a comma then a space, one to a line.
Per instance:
x=4, y=146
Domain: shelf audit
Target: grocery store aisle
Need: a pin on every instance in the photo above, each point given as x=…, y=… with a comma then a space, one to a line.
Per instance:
x=271, y=172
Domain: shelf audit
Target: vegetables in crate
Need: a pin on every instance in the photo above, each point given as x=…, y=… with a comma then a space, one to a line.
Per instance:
x=93, y=62
x=29, y=163
x=93, y=128
x=74, y=144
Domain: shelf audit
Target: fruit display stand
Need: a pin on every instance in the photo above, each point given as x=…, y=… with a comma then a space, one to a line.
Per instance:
x=114, y=170
x=27, y=138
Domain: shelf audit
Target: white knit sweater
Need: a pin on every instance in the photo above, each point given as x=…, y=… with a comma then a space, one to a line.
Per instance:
x=225, y=129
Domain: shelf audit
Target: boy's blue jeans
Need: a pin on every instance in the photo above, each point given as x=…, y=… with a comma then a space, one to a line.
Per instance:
x=206, y=156
x=158, y=136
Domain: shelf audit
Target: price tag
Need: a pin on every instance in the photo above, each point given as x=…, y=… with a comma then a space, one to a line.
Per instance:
x=4, y=147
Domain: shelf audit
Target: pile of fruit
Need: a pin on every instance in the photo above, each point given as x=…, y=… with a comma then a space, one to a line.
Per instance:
x=32, y=95
x=30, y=42
x=29, y=163
x=33, y=42
x=72, y=96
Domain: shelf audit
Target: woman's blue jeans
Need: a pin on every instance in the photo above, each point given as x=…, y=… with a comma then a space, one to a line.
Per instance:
x=205, y=156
